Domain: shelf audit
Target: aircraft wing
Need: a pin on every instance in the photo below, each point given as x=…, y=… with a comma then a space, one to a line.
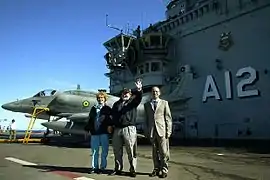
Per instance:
x=71, y=127
x=75, y=117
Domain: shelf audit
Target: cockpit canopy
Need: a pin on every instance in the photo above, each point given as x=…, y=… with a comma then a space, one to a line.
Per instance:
x=47, y=92
x=81, y=93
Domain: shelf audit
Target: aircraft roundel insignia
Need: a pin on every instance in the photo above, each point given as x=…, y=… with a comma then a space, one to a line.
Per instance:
x=85, y=103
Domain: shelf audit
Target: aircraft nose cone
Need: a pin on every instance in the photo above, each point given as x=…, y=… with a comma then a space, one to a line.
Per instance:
x=7, y=106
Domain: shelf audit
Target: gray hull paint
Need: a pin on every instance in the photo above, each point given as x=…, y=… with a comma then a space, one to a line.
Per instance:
x=228, y=118
x=195, y=41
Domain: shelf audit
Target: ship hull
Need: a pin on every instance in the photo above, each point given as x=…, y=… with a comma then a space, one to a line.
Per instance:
x=230, y=91
x=211, y=60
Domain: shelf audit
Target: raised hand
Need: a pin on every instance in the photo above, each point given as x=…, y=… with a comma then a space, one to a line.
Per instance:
x=138, y=84
x=110, y=129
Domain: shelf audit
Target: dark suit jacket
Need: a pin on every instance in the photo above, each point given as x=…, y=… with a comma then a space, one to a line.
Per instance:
x=126, y=115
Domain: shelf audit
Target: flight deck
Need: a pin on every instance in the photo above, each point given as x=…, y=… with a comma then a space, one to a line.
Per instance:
x=49, y=162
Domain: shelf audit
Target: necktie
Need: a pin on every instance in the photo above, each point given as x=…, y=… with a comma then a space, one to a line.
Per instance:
x=155, y=105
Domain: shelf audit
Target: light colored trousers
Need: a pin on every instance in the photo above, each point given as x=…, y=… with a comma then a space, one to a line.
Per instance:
x=160, y=152
x=127, y=136
x=96, y=141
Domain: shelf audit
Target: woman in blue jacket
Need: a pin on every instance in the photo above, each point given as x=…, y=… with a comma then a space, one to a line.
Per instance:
x=99, y=121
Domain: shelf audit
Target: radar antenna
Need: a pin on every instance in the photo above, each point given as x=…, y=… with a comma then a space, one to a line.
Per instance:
x=117, y=57
x=112, y=27
x=127, y=29
x=123, y=45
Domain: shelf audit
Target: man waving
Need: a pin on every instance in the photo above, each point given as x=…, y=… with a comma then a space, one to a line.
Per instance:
x=124, y=114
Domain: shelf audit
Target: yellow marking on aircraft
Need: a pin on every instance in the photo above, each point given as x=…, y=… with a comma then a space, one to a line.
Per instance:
x=85, y=103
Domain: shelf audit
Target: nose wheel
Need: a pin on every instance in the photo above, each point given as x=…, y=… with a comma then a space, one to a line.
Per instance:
x=47, y=132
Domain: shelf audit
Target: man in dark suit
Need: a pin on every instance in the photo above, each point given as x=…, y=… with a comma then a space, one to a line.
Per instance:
x=98, y=124
x=124, y=114
x=159, y=129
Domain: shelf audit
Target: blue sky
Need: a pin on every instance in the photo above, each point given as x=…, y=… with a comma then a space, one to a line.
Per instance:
x=57, y=44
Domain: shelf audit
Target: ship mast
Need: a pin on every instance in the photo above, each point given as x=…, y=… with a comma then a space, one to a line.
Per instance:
x=137, y=55
x=118, y=61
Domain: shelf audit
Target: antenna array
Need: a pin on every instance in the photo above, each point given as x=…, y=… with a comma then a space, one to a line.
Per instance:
x=127, y=29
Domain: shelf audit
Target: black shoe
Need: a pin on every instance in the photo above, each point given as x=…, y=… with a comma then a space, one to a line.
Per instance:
x=115, y=172
x=132, y=174
x=163, y=175
x=98, y=171
x=154, y=173
x=94, y=171
x=91, y=171
x=102, y=171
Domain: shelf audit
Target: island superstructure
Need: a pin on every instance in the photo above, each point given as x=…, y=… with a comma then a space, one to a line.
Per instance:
x=211, y=60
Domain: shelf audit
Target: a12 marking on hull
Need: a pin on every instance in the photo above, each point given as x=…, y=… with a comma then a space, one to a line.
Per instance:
x=211, y=90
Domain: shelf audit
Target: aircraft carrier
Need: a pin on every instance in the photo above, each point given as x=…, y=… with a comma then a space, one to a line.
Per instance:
x=211, y=60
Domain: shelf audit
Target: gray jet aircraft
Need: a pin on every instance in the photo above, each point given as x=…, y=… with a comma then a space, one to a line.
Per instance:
x=73, y=105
